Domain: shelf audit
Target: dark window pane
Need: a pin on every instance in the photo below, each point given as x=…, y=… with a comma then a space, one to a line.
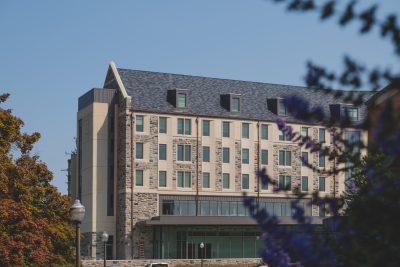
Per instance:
x=139, y=150
x=264, y=156
x=188, y=150
x=225, y=155
x=245, y=156
x=235, y=106
x=225, y=129
x=180, y=126
x=206, y=154
x=206, y=128
x=188, y=126
x=188, y=179
x=139, y=177
x=322, y=184
x=321, y=135
x=264, y=131
x=162, y=178
x=206, y=180
x=139, y=123
x=225, y=182
x=180, y=152
x=245, y=130
x=162, y=152
x=304, y=183
x=245, y=181
x=181, y=100
x=162, y=125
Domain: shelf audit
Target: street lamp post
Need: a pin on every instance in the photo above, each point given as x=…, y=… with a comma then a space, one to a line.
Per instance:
x=104, y=238
x=202, y=253
x=77, y=212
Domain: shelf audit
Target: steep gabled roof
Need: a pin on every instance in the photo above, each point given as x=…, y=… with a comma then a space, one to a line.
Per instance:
x=149, y=93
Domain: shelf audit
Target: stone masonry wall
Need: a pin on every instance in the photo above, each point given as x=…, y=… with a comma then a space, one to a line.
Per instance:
x=145, y=206
x=124, y=182
x=294, y=170
x=218, y=165
x=189, y=166
x=238, y=166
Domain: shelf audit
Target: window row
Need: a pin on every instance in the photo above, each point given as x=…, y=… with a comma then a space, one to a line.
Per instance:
x=184, y=153
x=184, y=127
x=184, y=180
x=221, y=208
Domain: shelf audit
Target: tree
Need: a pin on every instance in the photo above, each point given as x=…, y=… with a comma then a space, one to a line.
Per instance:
x=34, y=220
x=363, y=228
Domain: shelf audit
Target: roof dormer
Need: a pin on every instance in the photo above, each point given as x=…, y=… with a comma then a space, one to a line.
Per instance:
x=231, y=102
x=178, y=97
x=277, y=106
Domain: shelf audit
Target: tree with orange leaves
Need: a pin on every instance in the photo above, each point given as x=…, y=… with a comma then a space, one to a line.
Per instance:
x=34, y=220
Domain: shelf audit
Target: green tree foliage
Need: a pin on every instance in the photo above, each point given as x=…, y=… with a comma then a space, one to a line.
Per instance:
x=34, y=219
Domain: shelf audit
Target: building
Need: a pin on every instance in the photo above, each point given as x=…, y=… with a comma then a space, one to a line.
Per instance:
x=163, y=160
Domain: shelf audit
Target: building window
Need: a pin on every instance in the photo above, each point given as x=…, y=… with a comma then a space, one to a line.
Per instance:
x=322, y=210
x=321, y=160
x=321, y=184
x=139, y=123
x=206, y=128
x=184, y=152
x=181, y=100
x=225, y=155
x=353, y=139
x=245, y=156
x=285, y=158
x=264, y=156
x=162, y=128
x=321, y=135
x=184, y=126
x=283, y=137
x=304, y=131
x=225, y=180
x=351, y=113
x=264, y=186
x=184, y=179
x=282, y=110
x=225, y=129
x=304, y=183
x=206, y=154
x=162, y=152
x=139, y=150
x=139, y=178
x=162, y=178
x=245, y=130
x=264, y=131
x=284, y=182
x=235, y=104
x=245, y=181
x=206, y=180
x=304, y=158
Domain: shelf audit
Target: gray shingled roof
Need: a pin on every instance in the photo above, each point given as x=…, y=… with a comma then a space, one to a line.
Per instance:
x=149, y=93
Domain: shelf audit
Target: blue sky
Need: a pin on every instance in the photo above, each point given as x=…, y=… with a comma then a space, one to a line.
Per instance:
x=52, y=52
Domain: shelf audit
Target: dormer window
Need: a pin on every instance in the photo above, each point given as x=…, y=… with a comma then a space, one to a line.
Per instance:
x=282, y=110
x=351, y=113
x=235, y=104
x=231, y=102
x=178, y=98
x=181, y=100
x=277, y=106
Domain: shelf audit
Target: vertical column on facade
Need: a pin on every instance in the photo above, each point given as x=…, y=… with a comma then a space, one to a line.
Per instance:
x=124, y=180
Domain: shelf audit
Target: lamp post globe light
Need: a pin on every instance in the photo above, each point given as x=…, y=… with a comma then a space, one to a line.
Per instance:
x=104, y=239
x=202, y=252
x=77, y=212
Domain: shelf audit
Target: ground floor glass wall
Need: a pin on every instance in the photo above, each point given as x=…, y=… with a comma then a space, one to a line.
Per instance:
x=173, y=242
